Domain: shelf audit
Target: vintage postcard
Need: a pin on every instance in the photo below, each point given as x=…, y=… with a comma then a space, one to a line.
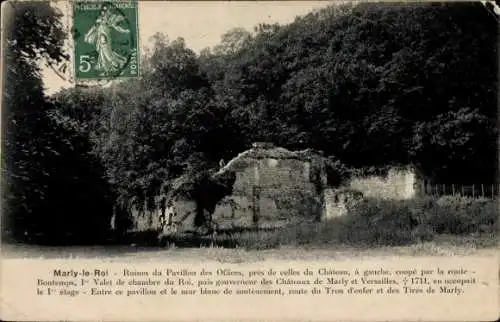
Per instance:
x=275, y=160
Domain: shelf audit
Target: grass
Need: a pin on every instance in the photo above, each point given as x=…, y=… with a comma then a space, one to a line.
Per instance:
x=444, y=226
x=373, y=223
x=441, y=246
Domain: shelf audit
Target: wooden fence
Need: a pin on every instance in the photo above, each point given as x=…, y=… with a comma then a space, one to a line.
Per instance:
x=473, y=190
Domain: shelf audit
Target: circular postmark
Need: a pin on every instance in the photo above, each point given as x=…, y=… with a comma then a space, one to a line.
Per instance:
x=61, y=69
x=105, y=40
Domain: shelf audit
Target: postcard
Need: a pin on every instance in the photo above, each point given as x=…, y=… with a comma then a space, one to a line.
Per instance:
x=267, y=160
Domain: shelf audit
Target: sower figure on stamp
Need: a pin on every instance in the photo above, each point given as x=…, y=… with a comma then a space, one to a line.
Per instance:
x=108, y=60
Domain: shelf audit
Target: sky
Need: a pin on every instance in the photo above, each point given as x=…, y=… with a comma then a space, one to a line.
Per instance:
x=200, y=23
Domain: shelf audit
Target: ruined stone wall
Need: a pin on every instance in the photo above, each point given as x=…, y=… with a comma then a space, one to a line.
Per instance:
x=271, y=173
x=144, y=220
x=273, y=187
x=269, y=192
x=337, y=202
x=272, y=192
x=398, y=184
x=182, y=212
x=333, y=207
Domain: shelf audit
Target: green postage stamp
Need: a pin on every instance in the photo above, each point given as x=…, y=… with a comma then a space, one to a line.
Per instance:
x=105, y=39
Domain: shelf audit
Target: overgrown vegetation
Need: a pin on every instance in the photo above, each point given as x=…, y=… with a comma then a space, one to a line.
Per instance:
x=373, y=85
x=52, y=183
x=373, y=223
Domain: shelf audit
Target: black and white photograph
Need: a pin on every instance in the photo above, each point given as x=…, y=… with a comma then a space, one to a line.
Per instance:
x=238, y=132
x=363, y=125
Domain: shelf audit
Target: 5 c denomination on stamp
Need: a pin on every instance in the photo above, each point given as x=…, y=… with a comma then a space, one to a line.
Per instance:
x=105, y=39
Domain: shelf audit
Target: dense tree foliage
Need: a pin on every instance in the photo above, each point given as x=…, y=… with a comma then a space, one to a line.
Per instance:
x=364, y=84
x=51, y=185
x=371, y=85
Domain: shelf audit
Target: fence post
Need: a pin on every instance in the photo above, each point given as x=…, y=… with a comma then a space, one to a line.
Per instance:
x=482, y=190
x=473, y=191
x=453, y=189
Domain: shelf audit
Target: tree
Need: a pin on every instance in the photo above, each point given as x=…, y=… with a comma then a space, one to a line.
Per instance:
x=48, y=175
x=233, y=41
x=371, y=85
x=454, y=138
x=31, y=32
x=359, y=81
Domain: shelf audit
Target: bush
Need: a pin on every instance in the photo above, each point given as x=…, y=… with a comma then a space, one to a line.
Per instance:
x=336, y=172
x=389, y=222
x=374, y=222
x=463, y=215
x=378, y=222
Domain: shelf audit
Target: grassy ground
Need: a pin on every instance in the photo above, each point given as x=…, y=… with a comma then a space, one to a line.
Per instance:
x=445, y=226
x=444, y=245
